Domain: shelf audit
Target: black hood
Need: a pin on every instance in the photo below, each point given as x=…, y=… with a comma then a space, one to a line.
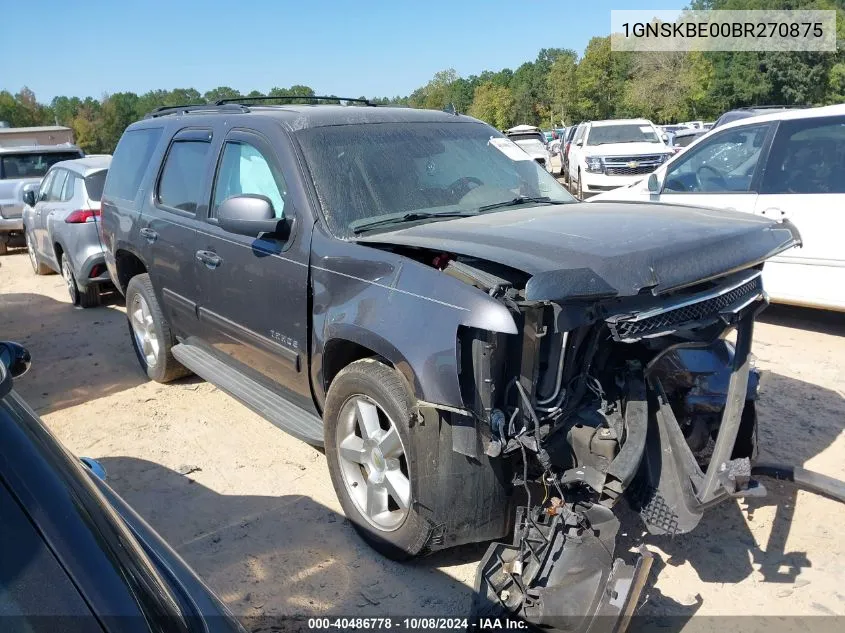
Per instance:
x=605, y=249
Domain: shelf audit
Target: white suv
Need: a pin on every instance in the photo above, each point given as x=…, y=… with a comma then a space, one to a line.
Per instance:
x=608, y=154
x=788, y=165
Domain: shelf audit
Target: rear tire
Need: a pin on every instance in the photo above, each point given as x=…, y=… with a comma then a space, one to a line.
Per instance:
x=37, y=267
x=368, y=411
x=151, y=337
x=87, y=297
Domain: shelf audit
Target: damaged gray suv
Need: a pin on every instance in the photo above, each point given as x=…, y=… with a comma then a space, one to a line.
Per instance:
x=481, y=356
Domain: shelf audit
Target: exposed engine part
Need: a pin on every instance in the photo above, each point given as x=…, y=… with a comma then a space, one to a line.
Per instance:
x=650, y=403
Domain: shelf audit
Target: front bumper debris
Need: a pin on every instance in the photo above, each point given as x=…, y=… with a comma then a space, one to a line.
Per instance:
x=560, y=572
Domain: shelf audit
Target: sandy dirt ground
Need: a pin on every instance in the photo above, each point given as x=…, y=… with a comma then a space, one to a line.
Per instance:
x=253, y=510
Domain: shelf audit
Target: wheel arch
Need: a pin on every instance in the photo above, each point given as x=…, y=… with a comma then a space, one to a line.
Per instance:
x=347, y=344
x=127, y=264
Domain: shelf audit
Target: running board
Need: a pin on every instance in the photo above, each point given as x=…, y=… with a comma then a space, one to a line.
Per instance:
x=272, y=407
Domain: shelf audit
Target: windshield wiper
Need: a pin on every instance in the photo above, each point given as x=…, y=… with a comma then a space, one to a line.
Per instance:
x=413, y=216
x=513, y=202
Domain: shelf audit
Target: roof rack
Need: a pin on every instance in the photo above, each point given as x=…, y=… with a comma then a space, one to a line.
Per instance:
x=772, y=107
x=231, y=100
x=194, y=107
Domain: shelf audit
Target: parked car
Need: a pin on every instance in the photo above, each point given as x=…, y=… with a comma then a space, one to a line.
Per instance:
x=408, y=289
x=532, y=140
x=788, y=164
x=74, y=556
x=566, y=147
x=608, y=154
x=682, y=139
x=21, y=169
x=61, y=227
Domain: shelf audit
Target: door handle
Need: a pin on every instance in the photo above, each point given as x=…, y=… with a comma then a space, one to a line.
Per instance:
x=149, y=235
x=211, y=259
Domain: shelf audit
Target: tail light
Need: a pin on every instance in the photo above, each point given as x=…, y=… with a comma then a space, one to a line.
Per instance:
x=82, y=216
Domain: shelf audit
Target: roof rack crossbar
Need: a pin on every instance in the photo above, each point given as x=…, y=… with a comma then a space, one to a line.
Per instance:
x=231, y=100
x=194, y=107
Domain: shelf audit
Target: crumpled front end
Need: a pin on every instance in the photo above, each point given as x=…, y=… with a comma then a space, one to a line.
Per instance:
x=643, y=398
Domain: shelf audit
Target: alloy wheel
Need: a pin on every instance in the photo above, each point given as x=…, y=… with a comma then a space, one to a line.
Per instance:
x=143, y=329
x=373, y=463
x=70, y=282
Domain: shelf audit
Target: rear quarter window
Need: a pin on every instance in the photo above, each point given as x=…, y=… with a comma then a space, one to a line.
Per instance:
x=130, y=161
x=94, y=185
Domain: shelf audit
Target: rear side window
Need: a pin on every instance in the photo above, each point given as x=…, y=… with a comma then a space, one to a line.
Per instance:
x=130, y=162
x=181, y=183
x=808, y=156
x=94, y=185
x=67, y=191
x=55, y=193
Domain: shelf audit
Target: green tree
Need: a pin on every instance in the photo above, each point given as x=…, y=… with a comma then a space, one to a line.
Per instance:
x=563, y=88
x=601, y=80
x=493, y=104
x=221, y=92
x=118, y=111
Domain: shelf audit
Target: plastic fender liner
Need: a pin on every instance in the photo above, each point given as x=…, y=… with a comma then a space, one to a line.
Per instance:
x=480, y=509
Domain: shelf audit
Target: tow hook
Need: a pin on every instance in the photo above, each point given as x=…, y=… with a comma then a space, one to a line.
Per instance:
x=560, y=572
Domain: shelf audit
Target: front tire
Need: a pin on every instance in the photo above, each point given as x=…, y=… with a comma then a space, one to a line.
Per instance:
x=152, y=339
x=88, y=297
x=372, y=458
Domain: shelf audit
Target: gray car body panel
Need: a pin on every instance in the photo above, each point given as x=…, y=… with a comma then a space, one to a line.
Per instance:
x=597, y=250
x=81, y=242
x=405, y=311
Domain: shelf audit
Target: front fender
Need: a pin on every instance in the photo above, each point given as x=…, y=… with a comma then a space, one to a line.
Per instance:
x=401, y=309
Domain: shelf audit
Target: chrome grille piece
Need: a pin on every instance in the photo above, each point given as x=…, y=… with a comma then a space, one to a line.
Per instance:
x=707, y=305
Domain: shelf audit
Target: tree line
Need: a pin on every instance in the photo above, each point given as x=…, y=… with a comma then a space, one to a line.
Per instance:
x=558, y=88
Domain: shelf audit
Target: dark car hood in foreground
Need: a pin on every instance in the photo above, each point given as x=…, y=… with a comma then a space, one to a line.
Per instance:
x=605, y=249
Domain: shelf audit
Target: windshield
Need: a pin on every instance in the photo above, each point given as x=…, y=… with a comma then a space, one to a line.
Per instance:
x=31, y=164
x=366, y=173
x=531, y=145
x=629, y=133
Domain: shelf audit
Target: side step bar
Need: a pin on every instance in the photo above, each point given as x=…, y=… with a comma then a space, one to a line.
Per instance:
x=272, y=407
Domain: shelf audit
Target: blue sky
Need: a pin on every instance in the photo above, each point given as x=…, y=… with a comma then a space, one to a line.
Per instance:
x=369, y=47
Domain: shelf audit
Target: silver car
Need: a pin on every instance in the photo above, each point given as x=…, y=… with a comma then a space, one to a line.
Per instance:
x=61, y=226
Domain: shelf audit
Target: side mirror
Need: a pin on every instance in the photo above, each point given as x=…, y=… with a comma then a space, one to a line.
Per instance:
x=654, y=184
x=29, y=197
x=665, y=137
x=249, y=214
x=15, y=358
x=579, y=143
